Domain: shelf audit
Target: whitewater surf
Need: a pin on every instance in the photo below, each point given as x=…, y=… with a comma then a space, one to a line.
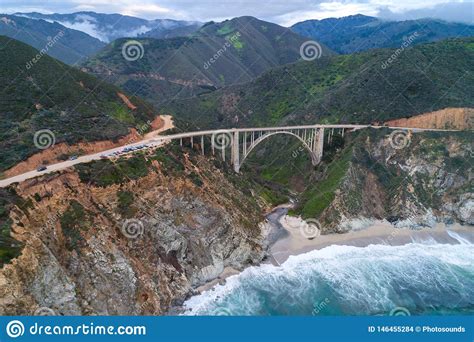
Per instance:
x=417, y=278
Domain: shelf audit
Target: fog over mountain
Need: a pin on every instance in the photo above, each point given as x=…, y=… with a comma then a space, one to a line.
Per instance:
x=108, y=27
x=281, y=12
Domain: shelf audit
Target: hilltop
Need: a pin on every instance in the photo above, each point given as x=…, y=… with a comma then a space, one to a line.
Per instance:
x=49, y=94
x=357, y=33
x=68, y=45
x=372, y=86
x=108, y=27
x=219, y=54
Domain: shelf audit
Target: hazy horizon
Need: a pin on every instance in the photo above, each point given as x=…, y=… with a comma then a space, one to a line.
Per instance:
x=279, y=12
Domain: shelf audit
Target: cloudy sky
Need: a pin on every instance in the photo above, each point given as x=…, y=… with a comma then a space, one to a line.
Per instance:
x=284, y=12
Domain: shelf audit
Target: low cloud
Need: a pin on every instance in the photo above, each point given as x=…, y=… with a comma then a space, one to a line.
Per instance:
x=86, y=24
x=283, y=12
x=455, y=11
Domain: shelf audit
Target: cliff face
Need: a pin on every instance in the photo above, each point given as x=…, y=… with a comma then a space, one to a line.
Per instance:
x=122, y=239
x=449, y=118
x=412, y=181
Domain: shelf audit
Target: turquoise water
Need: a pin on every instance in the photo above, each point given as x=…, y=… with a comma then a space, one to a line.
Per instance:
x=416, y=279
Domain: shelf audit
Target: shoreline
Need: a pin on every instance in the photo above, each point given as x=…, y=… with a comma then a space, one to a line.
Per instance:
x=379, y=233
x=285, y=241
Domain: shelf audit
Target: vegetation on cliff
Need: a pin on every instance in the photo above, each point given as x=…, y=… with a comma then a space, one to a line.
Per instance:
x=9, y=200
x=75, y=106
x=428, y=179
x=358, y=88
x=131, y=236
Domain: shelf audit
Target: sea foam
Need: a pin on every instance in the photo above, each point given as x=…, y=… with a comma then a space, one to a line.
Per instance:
x=337, y=280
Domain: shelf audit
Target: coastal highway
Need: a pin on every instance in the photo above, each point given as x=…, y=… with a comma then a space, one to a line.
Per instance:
x=150, y=140
x=153, y=140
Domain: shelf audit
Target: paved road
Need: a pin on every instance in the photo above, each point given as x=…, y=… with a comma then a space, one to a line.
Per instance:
x=153, y=140
x=150, y=140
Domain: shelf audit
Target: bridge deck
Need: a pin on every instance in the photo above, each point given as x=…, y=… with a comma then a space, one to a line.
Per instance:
x=287, y=128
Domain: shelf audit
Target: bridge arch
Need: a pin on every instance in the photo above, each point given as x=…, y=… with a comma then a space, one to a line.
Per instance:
x=256, y=142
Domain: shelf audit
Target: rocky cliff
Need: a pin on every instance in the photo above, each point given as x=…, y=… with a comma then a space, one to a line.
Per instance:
x=139, y=234
x=126, y=238
x=448, y=118
x=409, y=179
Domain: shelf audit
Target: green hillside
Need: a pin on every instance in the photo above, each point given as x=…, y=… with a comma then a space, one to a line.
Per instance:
x=357, y=88
x=232, y=52
x=51, y=95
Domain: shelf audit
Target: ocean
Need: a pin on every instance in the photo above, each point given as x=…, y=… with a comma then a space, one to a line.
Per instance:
x=421, y=278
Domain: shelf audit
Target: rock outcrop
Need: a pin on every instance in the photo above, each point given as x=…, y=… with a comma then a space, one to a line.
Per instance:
x=412, y=180
x=99, y=243
x=448, y=118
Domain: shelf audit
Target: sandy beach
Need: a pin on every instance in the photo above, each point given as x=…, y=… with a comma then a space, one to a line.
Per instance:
x=285, y=239
x=382, y=232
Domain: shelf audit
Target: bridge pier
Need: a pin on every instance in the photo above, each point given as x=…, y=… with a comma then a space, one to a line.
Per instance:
x=317, y=146
x=236, y=151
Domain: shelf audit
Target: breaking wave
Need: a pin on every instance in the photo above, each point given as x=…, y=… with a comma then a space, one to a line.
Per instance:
x=421, y=278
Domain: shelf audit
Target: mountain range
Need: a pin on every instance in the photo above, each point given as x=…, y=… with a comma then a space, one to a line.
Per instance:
x=219, y=54
x=68, y=45
x=357, y=88
x=108, y=27
x=360, y=33
x=88, y=32
x=81, y=35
